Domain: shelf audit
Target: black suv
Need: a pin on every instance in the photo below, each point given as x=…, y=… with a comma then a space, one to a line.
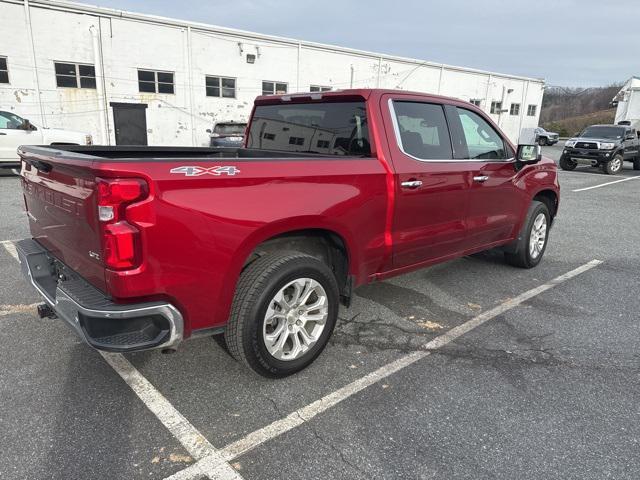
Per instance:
x=604, y=146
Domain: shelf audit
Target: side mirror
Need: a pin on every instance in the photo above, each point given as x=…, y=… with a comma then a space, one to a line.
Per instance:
x=26, y=125
x=577, y=134
x=208, y=130
x=529, y=154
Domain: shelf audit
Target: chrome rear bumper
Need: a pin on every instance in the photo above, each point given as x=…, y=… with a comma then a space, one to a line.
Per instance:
x=99, y=321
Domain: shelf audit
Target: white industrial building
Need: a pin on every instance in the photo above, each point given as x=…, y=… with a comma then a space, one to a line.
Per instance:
x=628, y=102
x=132, y=78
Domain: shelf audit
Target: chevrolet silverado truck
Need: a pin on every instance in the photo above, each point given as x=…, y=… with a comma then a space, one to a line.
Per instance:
x=143, y=247
x=604, y=146
x=16, y=131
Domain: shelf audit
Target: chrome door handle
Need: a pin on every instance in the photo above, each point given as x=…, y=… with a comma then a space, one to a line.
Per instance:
x=480, y=178
x=411, y=184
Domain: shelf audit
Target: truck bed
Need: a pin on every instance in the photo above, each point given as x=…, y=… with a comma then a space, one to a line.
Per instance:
x=135, y=152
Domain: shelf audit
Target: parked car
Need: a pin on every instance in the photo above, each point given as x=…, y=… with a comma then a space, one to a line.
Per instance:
x=16, y=131
x=262, y=243
x=543, y=137
x=603, y=146
x=227, y=134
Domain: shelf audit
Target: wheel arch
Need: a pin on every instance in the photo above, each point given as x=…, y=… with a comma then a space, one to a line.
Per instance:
x=550, y=198
x=329, y=243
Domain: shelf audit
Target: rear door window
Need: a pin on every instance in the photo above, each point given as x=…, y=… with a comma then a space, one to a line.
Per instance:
x=483, y=141
x=330, y=128
x=422, y=130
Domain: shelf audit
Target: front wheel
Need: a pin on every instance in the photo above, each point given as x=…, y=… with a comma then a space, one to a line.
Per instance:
x=542, y=141
x=636, y=164
x=613, y=166
x=283, y=313
x=567, y=164
x=532, y=242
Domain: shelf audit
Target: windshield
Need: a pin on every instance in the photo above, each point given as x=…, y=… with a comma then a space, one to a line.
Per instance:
x=338, y=128
x=230, y=128
x=613, y=133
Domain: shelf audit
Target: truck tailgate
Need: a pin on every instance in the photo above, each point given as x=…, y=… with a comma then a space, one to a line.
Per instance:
x=60, y=198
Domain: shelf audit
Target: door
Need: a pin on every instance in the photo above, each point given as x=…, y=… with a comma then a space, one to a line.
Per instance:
x=130, y=123
x=495, y=202
x=12, y=135
x=432, y=187
x=630, y=144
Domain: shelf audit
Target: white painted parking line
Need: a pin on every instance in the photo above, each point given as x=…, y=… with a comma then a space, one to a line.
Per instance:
x=308, y=412
x=11, y=309
x=605, y=184
x=11, y=248
x=190, y=438
x=585, y=173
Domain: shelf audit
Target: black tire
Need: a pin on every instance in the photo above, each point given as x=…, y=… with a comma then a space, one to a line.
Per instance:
x=636, y=164
x=542, y=141
x=567, y=164
x=520, y=254
x=609, y=167
x=256, y=288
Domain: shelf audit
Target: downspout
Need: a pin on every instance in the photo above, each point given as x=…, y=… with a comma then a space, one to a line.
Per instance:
x=487, y=101
x=102, y=110
x=440, y=79
x=379, y=68
x=27, y=14
x=352, y=74
x=298, y=67
x=190, y=83
x=502, y=105
x=522, y=110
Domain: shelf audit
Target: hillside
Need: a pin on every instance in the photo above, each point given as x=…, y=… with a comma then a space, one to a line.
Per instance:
x=565, y=103
x=567, y=127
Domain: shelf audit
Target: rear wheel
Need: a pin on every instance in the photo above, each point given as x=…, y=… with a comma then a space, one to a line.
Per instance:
x=613, y=166
x=636, y=164
x=542, y=141
x=532, y=242
x=283, y=313
x=567, y=164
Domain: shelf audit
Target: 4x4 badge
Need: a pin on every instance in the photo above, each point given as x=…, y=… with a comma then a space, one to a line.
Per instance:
x=193, y=171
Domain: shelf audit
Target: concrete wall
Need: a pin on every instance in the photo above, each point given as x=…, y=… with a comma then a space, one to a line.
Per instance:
x=127, y=42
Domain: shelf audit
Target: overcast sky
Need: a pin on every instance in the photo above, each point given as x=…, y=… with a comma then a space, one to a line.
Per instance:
x=567, y=42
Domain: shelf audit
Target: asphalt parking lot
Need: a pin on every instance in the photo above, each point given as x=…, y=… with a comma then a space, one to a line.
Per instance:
x=469, y=370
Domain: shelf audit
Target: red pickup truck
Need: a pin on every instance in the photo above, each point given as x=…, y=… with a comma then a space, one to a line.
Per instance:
x=143, y=247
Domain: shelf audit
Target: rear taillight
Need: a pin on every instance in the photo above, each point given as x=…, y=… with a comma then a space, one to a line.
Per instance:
x=121, y=240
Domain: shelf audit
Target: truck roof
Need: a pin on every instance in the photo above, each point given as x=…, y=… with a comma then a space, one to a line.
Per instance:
x=364, y=93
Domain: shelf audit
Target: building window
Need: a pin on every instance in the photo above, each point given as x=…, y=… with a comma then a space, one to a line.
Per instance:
x=496, y=107
x=319, y=88
x=220, y=87
x=323, y=144
x=4, y=70
x=531, y=110
x=150, y=81
x=272, y=88
x=75, y=75
x=269, y=136
x=515, y=109
x=296, y=141
x=475, y=101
